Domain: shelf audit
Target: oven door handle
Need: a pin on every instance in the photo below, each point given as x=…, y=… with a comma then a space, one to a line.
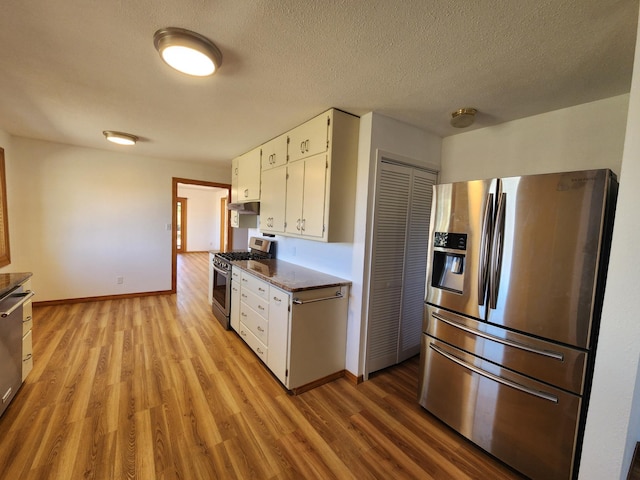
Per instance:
x=224, y=273
x=496, y=378
x=24, y=297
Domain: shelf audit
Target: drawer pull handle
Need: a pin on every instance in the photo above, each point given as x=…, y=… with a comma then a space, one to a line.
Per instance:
x=260, y=307
x=261, y=289
x=27, y=358
x=243, y=314
x=259, y=351
x=509, y=343
x=495, y=378
x=260, y=329
x=27, y=320
x=277, y=299
x=7, y=394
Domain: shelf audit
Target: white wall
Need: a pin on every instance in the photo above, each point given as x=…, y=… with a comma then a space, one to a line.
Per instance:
x=613, y=421
x=80, y=217
x=577, y=138
x=203, y=216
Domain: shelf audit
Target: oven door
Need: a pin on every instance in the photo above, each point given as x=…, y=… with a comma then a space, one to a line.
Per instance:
x=221, y=295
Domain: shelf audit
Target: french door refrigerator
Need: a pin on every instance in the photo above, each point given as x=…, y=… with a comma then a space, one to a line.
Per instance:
x=515, y=281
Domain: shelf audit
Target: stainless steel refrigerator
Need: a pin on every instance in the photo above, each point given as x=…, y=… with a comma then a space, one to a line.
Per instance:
x=515, y=281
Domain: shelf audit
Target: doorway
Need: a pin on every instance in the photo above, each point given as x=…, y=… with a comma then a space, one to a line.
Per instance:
x=224, y=222
x=181, y=224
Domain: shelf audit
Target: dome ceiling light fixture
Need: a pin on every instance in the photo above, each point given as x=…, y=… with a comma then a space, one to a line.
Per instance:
x=187, y=51
x=120, y=138
x=463, y=117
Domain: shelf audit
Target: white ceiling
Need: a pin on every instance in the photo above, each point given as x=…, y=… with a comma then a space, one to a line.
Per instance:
x=70, y=69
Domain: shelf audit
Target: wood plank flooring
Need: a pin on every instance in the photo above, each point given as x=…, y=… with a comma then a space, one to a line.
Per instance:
x=154, y=388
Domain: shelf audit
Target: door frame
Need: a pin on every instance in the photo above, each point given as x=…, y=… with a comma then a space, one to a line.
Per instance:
x=174, y=196
x=392, y=158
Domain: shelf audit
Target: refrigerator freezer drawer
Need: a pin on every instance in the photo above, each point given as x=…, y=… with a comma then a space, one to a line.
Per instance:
x=527, y=424
x=559, y=365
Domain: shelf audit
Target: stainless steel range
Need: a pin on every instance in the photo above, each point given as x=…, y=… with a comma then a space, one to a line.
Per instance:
x=259, y=249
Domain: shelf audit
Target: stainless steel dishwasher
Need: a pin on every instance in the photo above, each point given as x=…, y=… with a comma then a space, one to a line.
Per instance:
x=11, y=344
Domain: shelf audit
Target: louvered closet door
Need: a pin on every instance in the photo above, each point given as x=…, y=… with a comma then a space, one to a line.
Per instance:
x=415, y=265
x=398, y=267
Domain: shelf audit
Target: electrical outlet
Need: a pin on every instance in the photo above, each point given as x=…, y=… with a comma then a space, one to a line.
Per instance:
x=119, y=280
x=168, y=227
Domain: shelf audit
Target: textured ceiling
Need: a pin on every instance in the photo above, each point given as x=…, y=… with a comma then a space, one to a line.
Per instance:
x=73, y=68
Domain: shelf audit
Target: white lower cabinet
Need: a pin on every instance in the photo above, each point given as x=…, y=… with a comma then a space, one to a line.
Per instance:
x=300, y=336
x=279, y=308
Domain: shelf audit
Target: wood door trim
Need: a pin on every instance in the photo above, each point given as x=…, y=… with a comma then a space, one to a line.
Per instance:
x=174, y=195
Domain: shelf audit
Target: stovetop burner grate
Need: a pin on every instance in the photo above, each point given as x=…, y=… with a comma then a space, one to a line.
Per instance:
x=232, y=256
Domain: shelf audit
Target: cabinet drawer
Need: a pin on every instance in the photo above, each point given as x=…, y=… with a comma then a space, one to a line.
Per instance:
x=310, y=138
x=236, y=273
x=27, y=317
x=27, y=354
x=256, y=345
x=254, y=322
x=259, y=304
x=255, y=285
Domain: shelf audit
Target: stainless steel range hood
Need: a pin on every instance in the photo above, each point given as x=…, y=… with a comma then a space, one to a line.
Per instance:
x=249, y=208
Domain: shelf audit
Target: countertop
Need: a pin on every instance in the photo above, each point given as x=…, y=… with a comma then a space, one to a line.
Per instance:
x=289, y=276
x=9, y=281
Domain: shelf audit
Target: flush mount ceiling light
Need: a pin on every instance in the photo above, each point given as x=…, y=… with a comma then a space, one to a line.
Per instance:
x=120, y=138
x=463, y=117
x=187, y=51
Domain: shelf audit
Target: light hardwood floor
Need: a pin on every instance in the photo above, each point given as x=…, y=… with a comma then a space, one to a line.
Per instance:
x=154, y=388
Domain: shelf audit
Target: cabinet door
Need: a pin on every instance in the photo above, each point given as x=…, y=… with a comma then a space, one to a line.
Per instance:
x=234, y=316
x=249, y=176
x=274, y=153
x=310, y=138
x=234, y=179
x=273, y=200
x=314, y=191
x=279, y=302
x=293, y=205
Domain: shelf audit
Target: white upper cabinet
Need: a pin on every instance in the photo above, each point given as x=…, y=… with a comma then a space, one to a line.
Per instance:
x=234, y=179
x=248, y=176
x=273, y=200
x=310, y=138
x=274, y=152
x=305, y=179
x=306, y=197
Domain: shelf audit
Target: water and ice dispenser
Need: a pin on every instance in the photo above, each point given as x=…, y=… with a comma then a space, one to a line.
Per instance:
x=449, y=255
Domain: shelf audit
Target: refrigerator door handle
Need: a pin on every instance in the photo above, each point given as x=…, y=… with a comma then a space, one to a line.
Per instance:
x=485, y=244
x=510, y=343
x=495, y=378
x=496, y=251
